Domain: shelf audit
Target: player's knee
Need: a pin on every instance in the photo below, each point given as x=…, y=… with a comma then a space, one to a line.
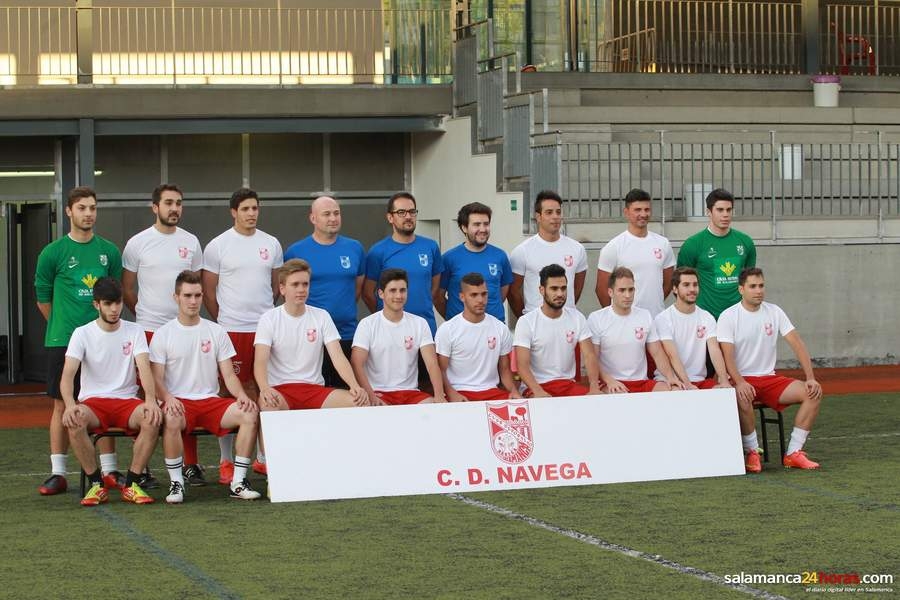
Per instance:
x=174, y=424
x=76, y=430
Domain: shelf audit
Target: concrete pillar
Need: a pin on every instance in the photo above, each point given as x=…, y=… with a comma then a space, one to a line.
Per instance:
x=84, y=35
x=85, y=152
x=811, y=24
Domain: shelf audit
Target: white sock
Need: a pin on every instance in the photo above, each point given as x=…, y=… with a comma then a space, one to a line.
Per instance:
x=241, y=464
x=226, y=447
x=798, y=438
x=58, y=464
x=173, y=466
x=108, y=462
x=750, y=442
x=260, y=457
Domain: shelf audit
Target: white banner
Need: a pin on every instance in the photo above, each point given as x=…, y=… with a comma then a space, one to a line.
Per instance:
x=501, y=445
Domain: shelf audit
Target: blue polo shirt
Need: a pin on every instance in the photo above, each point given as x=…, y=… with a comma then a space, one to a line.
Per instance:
x=421, y=259
x=491, y=262
x=335, y=268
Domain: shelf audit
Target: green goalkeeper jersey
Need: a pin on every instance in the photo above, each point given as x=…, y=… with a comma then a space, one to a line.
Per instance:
x=718, y=260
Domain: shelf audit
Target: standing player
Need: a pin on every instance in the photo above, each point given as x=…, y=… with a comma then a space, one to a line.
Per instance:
x=687, y=333
x=748, y=333
x=152, y=260
x=187, y=354
x=621, y=333
x=240, y=284
x=338, y=270
x=387, y=345
x=719, y=253
x=419, y=256
x=648, y=255
x=473, y=348
x=289, y=344
x=107, y=351
x=547, y=247
x=545, y=341
x=474, y=255
x=67, y=270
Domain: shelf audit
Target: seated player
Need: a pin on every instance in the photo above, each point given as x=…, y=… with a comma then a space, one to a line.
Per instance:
x=289, y=345
x=473, y=348
x=621, y=333
x=187, y=354
x=748, y=334
x=107, y=351
x=386, y=349
x=687, y=333
x=545, y=341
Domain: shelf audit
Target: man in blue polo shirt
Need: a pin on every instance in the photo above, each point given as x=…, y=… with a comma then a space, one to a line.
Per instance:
x=419, y=256
x=474, y=255
x=338, y=270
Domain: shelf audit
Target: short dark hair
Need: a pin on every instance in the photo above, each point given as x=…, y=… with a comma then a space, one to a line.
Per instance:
x=680, y=272
x=77, y=193
x=389, y=275
x=472, y=278
x=240, y=195
x=749, y=272
x=619, y=273
x=636, y=195
x=552, y=270
x=473, y=208
x=718, y=194
x=545, y=195
x=186, y=277
x=164, y=187
x=107, y=288
x=397, y=196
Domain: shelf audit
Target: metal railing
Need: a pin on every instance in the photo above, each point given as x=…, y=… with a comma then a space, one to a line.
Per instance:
x=861, y=39
x=176, y=45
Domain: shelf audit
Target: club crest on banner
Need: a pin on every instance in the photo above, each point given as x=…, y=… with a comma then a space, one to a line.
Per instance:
x=345, y=262
x=423, y=260
x=509, y=425
x=126, y=348
x=311, y=335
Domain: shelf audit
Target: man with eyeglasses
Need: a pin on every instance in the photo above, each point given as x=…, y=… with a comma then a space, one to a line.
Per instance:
x=419, y=256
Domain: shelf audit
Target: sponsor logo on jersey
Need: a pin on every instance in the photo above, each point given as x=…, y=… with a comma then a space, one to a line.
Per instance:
x=264, y=253
x=509, y=425
x=569, y=260
x=104, y=260
x=205, y=346
x=493, y=269
x=727, y=268
x=311, y=335
x=639, y=333
x=423, y=260
x=492, y=342
x=126, y=348
x=701, y=331
x=89, y=280
x=345, y=262
x=408, y=342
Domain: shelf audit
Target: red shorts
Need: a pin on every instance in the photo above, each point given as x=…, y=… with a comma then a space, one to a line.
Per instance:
x=112, y=412
x=491, y=394
x=564, y=387
x=243, y=360
x=769, y=389
x=303, y=395
x=403, y=397
x=206, y=413
x=706, y=384
x=639, y=386
x=149, y=336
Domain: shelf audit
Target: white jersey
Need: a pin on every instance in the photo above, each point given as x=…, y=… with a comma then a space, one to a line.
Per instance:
x=647, y=257
x=690, y=334
x=158, y=258
x=393, y=362
x=754, y=336
x=622, y=341
x=474, y=350
x=107, y=359
x=552, y=342
x=297, y=344
x=244, y=264
x=528, y=258
x=191, y=355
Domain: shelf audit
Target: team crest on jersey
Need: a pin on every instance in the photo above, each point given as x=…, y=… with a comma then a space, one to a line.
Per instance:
x=205, y=346
x=570, y=336
x=701, y=332
x=408, y=342
x=657, y=253
x=493, y=269
x=182, y=252
x=264, y=253
x=639, y=333
x=311, y=335
x=104, y=260
x=126, y=348
x=769, y=329
x=509, y=425
x=569, y=260
x=492, y=342
x=740, y=249
x=423, y=260
x=345, y=262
